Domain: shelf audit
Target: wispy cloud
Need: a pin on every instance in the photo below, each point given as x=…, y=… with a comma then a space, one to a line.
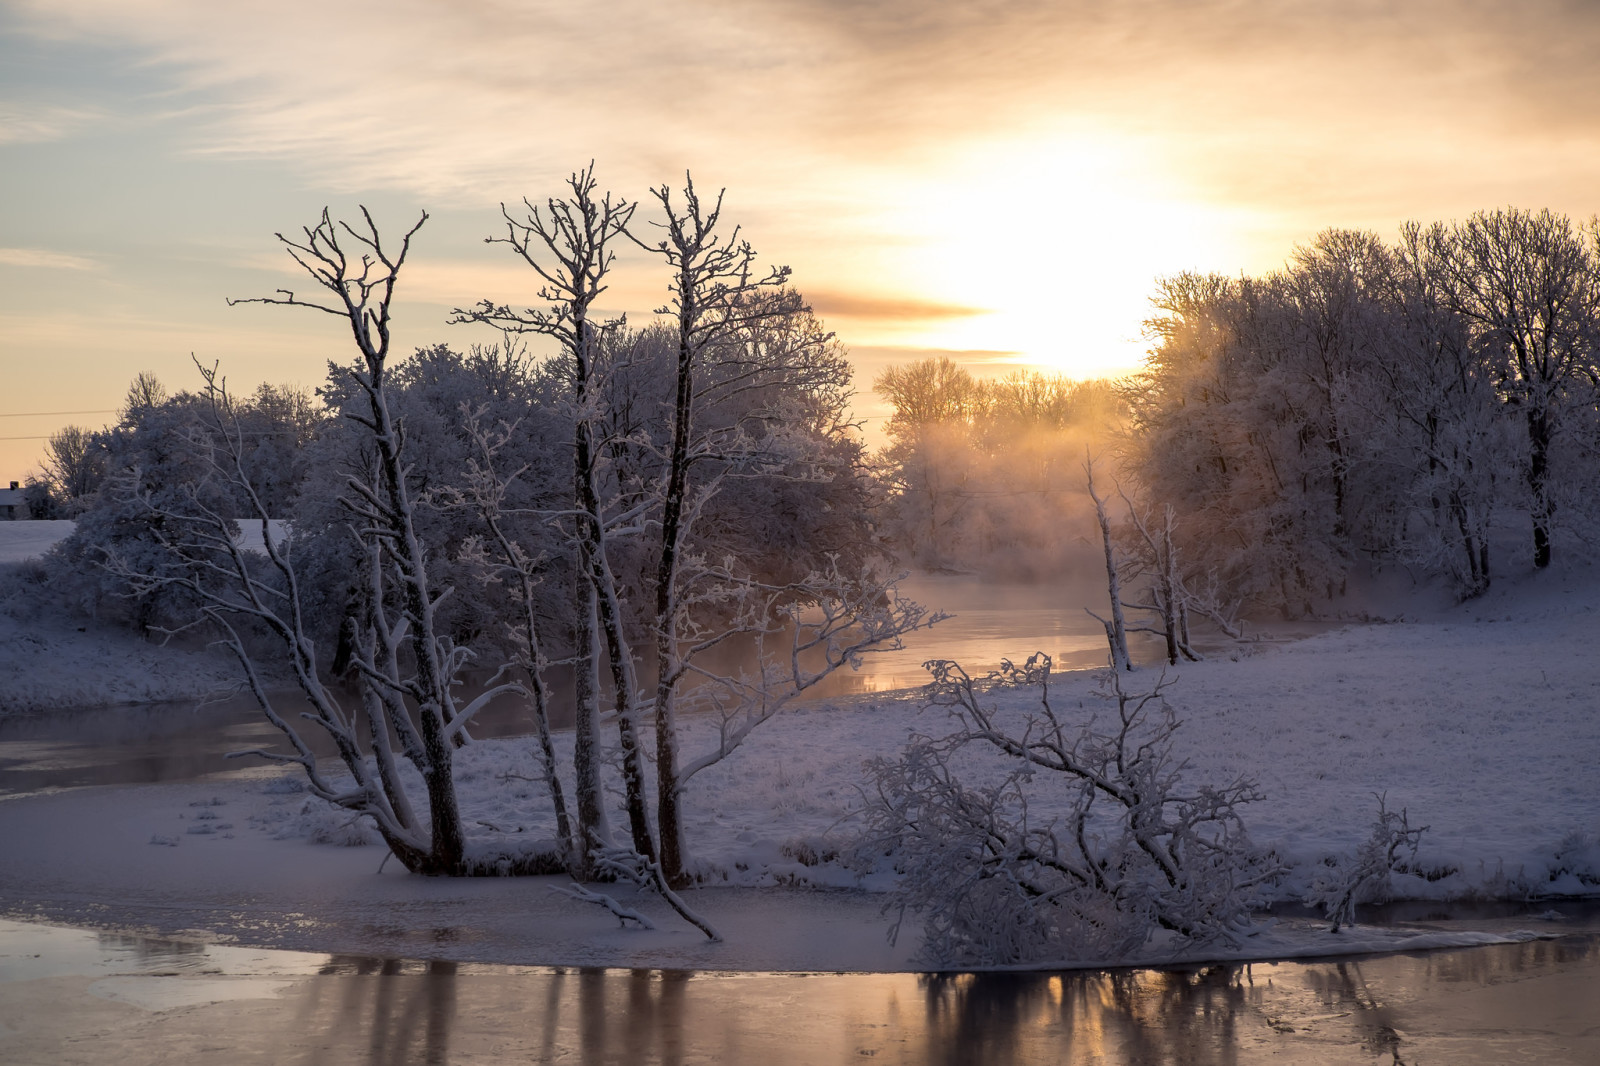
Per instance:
x=23, y=124
x=47, y=260
x=857, y=305
x=863, y=142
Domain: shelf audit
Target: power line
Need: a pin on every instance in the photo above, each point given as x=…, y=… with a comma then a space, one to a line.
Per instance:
x=45, y=437
x=47, y=414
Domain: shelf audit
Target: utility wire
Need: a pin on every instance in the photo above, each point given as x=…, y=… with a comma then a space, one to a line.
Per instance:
x=44, y=414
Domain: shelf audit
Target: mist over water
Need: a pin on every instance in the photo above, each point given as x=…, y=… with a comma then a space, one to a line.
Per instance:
x=990, y=620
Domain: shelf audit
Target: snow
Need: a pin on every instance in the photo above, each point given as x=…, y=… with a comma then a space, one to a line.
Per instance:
x=53, y=663
x=109, y=665
x=1482, y=720
x=29, y=540
x=20, y=541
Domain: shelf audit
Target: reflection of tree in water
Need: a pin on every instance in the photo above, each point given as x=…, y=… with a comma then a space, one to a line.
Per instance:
x=1144, y=1016
x=1343, y=987
x=152, y=952
x=382, y=1012
x=1501, y=962
x=652, y=1004
x=388, y=1011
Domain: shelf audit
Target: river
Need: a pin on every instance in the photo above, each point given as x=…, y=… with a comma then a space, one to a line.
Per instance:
x=78, y=995
x=71, y=995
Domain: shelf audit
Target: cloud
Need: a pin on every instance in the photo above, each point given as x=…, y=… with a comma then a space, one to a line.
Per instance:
x=22, y=124
x=820, y=101
x=41, y=258
x=855, y=305
x=862, y=143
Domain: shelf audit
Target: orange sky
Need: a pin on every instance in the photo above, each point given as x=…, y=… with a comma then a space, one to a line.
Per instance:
x=1001, y=181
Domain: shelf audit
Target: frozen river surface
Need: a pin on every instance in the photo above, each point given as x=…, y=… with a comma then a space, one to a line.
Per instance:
x=72, y=996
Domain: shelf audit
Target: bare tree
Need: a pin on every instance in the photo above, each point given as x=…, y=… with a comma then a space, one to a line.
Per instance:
x=145, y=391
x=568, y=242
x=358, y=274
x=715, y=293
x=1116, y=626
x=1344, y=881
x=75, y=463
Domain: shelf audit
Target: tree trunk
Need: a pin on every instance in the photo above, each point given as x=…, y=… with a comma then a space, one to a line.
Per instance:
x=669, y=821
x=593, y=828
x=1117, y=627
x=1538, y=473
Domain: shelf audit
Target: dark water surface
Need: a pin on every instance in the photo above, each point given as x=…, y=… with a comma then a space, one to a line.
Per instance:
x=74, y=996
x=184, y=741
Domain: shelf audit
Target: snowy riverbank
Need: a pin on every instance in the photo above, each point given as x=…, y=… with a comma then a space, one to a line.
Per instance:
x=1482, y=720
x=52, y=662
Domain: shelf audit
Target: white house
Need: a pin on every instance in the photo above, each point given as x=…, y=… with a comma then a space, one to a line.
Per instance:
x=12, y=505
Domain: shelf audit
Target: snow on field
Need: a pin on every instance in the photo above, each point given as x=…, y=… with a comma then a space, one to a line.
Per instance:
x=20, y=541
x=52, y=665
x=29, y=540
x=1483, y=721
x=49, y=662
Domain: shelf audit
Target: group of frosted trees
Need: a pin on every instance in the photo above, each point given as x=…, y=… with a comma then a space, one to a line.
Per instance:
x=592, y=527
x=980, y=471
x=1375, y=401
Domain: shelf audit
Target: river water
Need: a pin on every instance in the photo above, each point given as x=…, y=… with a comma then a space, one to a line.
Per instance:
x=183, y=741
x=70, y=995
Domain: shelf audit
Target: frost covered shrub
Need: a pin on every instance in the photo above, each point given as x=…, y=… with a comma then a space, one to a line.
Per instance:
x=1578, y=856
x=1126, y=851
x=1363, y=877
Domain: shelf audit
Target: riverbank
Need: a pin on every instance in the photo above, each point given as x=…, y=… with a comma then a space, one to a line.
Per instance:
x=52, y=661
x=1481, y=720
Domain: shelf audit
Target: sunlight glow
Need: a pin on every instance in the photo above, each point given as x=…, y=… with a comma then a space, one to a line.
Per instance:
x=1060, y=239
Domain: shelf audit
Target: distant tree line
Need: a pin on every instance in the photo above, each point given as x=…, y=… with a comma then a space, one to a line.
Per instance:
x=1372, y=403
x=1377, y=402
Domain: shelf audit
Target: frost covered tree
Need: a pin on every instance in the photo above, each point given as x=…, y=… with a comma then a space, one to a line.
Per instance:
x=738, y=385
x=1085, y=841
x=568, y=242
x=149, y=455
x=1447, y=432
x=397, y=744
x=1530, y=285
x=1365, y=403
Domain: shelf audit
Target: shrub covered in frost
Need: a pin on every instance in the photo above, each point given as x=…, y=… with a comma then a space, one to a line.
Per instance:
x=1136, y=851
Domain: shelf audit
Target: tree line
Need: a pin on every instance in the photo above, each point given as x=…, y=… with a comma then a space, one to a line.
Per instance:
x=1373, y=403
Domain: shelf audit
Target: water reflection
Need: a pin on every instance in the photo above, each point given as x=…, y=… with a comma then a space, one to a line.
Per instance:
x=1368, y=1010
x=1521, y=1002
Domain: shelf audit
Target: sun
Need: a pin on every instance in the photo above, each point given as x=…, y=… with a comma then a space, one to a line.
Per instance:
x=1058, y=242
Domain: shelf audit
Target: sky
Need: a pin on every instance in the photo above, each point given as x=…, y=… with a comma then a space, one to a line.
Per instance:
x=999, y=182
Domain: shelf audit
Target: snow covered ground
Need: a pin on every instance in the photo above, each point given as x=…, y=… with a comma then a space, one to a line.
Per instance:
x=29, y=540
x=55, y=663
x=1482, y=720
x=20, y=541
